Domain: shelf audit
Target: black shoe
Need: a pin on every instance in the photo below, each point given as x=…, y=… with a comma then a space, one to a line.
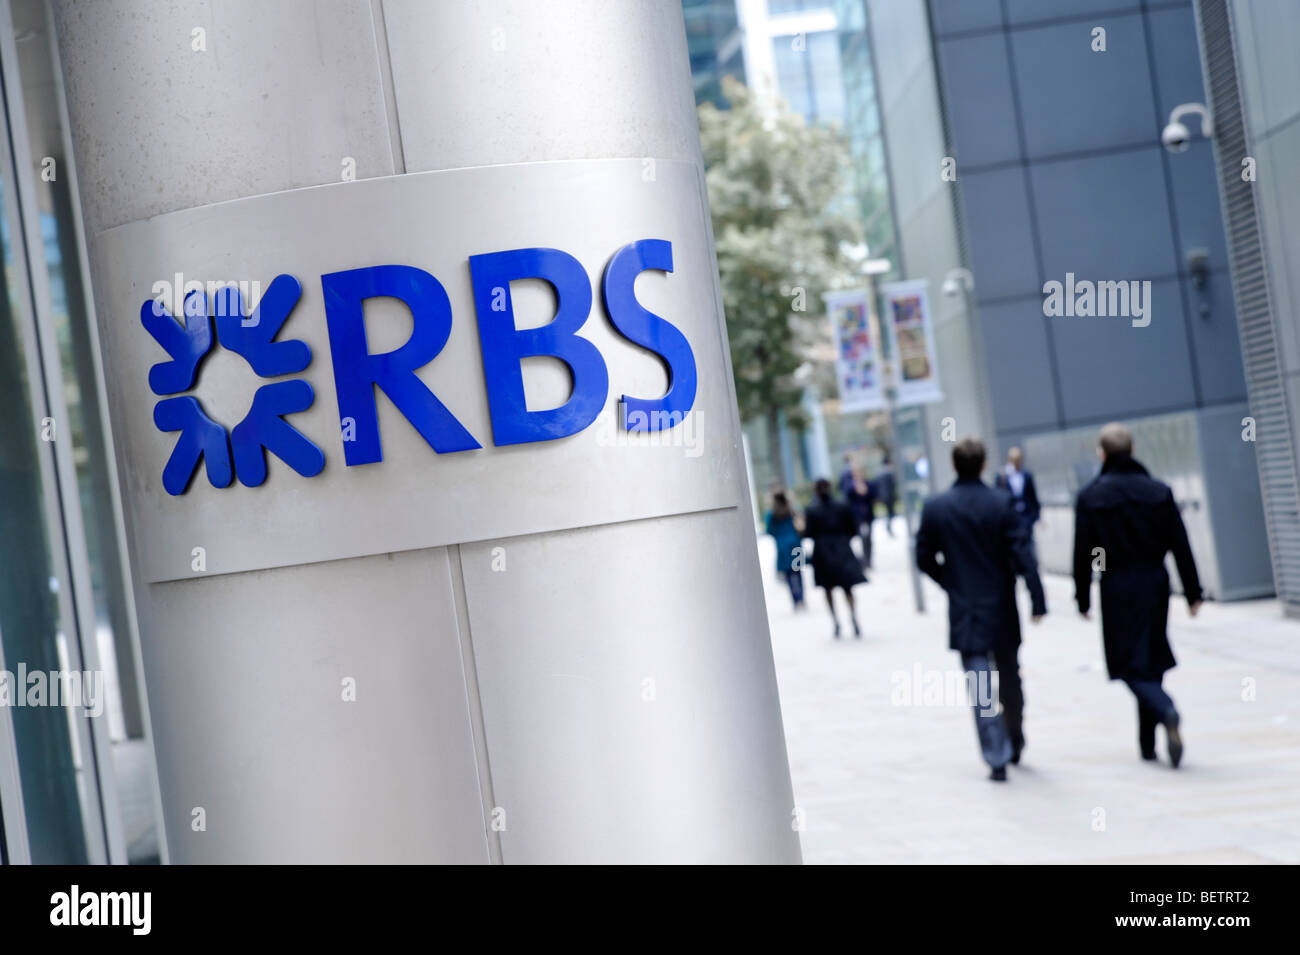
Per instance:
x=857, y=631
x=1015, y=754
x=1149, y=756
x=999, y=774
x=1174, y=739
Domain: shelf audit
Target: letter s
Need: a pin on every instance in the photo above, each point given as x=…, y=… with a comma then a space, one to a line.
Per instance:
x=642, y=327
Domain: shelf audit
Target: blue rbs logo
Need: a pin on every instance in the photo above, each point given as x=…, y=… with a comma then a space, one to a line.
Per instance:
x=357, y=372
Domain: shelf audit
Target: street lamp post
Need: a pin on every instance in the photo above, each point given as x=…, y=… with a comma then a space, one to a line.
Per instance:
x=871, y=268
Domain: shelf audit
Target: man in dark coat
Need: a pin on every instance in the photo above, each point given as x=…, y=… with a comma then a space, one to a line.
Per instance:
x=984, y=546
x=1125, y=523
x=1019, y=483
x=830, y=525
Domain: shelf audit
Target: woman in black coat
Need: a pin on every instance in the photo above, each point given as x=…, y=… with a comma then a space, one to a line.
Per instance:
x=831, y=527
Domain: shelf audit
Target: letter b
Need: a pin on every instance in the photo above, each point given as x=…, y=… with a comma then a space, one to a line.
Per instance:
x=504, y=346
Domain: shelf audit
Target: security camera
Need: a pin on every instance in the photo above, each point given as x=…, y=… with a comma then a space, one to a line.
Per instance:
x=1176, y=137
x=1198, y=266
x=958, y=281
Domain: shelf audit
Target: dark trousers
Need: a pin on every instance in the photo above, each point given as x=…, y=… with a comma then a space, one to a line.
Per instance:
x=1154, y=706
x=1011, y=694
x=794, y=580
x=1000, y=733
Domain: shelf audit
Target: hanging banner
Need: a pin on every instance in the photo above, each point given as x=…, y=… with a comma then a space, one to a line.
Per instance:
x=911, y=341
x=857, y=355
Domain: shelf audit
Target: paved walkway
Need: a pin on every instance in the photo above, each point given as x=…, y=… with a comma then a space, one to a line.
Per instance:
x=879, y=781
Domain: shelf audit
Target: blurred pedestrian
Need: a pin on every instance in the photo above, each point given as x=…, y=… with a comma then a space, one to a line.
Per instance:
x=1019, y=483
x=830, y=525
x=1125, y=523
x=983, y=547
x=783, y=524
x=845, y=482
x=861, y=498
x=887, y=491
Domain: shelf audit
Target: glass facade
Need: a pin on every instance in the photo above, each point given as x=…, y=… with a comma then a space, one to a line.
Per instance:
x=35, y=616
x=808, y=75
x=862, y=126
x=713, y=43
x=75, y=770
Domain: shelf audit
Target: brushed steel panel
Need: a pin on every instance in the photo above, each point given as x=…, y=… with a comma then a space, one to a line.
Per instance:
x=246, y=672
x=629, y=695
x=528, y=59
x=277, y=97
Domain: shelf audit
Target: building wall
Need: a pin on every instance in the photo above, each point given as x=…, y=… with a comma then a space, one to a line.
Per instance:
x=1269, y=72
x=1263, y=39
x=924, y=205
x=1061, y=170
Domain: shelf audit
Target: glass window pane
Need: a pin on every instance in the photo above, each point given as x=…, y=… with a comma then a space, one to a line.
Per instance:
x=32, y=624
x=57, y=262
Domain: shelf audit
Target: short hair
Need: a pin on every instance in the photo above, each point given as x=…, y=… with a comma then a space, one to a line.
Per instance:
x=1115, y=439
x=968, y=457
x=822, y=488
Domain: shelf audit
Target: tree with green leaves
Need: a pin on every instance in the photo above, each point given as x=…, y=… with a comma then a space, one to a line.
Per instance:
x=778, y=198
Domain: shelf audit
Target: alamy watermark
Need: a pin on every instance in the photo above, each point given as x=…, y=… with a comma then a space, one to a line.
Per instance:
x=654, y=429
x=921, y=687
x=169, y=295
x=125, y=909
x=70, y=688
x=1087, y=299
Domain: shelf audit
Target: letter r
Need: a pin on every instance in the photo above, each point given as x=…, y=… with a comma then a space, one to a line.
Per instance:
x=504, y=346
x=357, y=372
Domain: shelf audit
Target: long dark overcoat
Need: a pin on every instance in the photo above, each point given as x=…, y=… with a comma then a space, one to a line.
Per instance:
x=830, y=525
x=1125, y=522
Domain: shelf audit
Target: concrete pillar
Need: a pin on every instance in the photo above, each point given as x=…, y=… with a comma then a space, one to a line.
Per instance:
x=545, y=651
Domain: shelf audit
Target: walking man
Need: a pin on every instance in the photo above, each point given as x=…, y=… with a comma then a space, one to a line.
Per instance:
x=1125, y=523
x=1019, y=483
x=984, y=546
